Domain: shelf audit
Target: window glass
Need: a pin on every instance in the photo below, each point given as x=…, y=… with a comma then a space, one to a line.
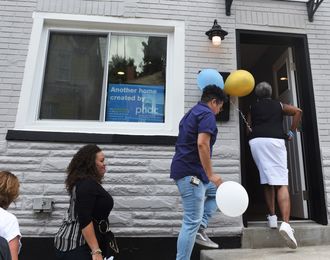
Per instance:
x=136, y=79
x=73, y=78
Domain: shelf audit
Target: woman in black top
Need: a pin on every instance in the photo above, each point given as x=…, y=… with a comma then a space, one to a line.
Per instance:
x=90, y=204
x=267, y=143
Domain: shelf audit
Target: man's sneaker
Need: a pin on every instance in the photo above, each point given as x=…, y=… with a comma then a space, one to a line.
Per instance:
x=203, y=240
x=272, y=221
x=288, y=234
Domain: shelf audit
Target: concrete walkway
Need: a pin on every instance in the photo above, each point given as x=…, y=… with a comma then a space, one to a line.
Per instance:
x=301, y=253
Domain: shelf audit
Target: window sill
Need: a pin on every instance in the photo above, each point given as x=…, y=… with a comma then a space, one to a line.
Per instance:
x=67, y=137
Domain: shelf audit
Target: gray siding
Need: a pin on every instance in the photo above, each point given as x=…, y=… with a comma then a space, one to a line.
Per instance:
x=146, y=200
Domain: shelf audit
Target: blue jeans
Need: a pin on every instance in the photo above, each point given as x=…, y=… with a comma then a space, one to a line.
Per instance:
x=198, y=206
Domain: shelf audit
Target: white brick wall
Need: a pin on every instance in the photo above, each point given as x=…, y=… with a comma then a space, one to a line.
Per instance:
x=146, y=200
x=15, y=28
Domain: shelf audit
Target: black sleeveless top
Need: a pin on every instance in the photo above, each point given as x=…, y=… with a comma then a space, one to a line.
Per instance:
x=267, y=119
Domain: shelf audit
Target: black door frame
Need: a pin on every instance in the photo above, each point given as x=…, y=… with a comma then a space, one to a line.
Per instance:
x=305, y=92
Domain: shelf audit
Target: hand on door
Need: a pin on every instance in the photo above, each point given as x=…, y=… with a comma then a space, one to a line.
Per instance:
x=290, y=134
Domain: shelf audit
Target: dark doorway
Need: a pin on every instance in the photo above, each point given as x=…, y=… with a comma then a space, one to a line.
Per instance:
x=259, y=52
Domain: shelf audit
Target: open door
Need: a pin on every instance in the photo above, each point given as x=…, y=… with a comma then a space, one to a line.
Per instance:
x=269, y=55
x=285, y=91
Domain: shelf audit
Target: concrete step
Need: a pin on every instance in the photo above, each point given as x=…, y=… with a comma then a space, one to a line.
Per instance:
x=301, y=253
x=307, y=233
x=261, y=242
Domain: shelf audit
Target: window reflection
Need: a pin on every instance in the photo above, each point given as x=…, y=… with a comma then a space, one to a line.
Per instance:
x=73, y=78
x=136, y=79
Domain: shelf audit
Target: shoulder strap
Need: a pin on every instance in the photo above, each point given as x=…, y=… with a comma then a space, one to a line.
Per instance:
x=71, y=210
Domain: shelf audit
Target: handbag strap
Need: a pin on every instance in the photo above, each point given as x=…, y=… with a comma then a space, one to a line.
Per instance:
x=102, y=225
x=71, y=212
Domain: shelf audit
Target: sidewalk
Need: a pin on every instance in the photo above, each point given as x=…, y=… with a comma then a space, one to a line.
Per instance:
x=301, y=253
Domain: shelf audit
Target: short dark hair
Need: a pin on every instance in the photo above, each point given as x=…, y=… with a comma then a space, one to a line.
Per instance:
x=213, y=92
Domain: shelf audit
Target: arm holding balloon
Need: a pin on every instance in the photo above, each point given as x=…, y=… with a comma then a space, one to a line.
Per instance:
x=203, y=143
x=296, y=113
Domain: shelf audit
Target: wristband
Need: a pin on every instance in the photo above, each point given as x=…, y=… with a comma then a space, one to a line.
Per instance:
x=97, y=251
x=290, y=133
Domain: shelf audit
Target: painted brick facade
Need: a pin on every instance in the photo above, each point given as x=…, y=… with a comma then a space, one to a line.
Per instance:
x=146, y=200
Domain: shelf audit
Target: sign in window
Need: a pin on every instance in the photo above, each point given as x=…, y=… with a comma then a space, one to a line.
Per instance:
x=135, y=103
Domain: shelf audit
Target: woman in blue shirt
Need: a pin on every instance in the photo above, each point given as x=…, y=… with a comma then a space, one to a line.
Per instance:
x=192, y=170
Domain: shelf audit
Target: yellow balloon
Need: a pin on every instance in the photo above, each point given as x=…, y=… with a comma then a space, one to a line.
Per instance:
x=239, y=83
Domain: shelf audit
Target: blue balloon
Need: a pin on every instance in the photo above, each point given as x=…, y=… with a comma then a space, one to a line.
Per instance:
x=209, y=77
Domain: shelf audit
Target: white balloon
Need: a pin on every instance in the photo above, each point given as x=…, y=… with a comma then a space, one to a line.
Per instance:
x=232, y=199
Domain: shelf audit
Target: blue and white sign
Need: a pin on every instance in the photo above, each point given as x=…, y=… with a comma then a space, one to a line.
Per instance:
x=135, y=103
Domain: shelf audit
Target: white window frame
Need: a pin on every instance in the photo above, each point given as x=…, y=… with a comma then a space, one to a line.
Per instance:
x=30, y=98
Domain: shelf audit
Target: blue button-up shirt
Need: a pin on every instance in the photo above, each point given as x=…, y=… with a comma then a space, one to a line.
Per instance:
x=186, y=161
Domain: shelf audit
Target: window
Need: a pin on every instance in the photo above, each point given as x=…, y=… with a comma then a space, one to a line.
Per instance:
x=72, y=86
x=103, y=75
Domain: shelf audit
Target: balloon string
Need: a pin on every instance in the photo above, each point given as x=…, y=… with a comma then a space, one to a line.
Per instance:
x=242, y=115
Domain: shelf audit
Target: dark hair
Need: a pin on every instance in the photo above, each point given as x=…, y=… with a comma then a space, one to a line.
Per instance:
x=83, y=166
x=213, y=92
x=9, y=188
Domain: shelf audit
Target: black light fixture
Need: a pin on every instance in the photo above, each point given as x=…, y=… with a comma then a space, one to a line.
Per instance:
x=216, y=34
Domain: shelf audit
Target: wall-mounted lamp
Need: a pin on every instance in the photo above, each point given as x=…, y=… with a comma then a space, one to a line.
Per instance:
x=216, y=34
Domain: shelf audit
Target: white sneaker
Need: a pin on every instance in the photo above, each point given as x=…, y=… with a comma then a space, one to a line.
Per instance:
x=272, y=221
x=287, y=233
x=203, y=240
